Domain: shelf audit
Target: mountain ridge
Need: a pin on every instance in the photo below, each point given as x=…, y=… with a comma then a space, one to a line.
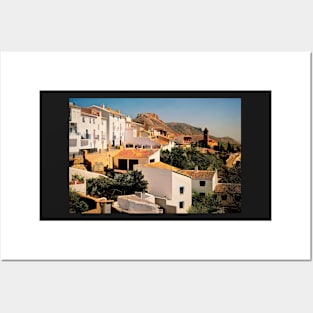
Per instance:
x=175, y=129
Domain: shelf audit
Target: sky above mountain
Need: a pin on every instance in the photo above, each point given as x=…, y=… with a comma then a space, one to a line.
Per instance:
x=222, y=116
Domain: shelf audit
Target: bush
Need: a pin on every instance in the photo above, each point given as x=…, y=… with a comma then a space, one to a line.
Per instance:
x=124, y=184
x=75, y=204
x=204, y=204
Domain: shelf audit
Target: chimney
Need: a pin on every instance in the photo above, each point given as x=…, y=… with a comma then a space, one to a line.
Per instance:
x=103, y=106
x=196, y=168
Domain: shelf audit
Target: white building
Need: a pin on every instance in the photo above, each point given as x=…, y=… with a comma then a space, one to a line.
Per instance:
x=203, y=181
x=138, y=203
x=137, y=136
x=116, y=123
x=87, y=130
x=172, y=189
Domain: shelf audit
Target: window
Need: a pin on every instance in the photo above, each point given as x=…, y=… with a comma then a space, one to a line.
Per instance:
x=224, y=197
x=202, y=183
x=152, y=160
x=83, y=118
x=181, y=190
x=93, y=120
x=181, y=204
x=90, y=120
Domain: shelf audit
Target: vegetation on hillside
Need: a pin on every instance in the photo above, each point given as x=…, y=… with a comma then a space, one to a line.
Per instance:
x=184, y=128
x=120, y=184
x=188, y=159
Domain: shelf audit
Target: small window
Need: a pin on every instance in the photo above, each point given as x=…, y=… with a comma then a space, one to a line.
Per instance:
x=202, y=183
x=181, y=204
x=93, y=120
x=83, y=118
x=181, y=190
x=224, y=197
x=90, y=120
x=152, y=160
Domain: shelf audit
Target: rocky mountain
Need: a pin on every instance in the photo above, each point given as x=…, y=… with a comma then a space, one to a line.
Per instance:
x=186, y=129
x=183, y=128
x=226, y=140
x=152, y=120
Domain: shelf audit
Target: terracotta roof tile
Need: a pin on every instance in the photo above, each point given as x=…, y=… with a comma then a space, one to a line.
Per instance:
x=164, y=166
x=230, y=188
x=200, y=174
x=135, y=153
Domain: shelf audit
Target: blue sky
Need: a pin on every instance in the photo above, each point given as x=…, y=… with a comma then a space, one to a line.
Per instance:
x=222, y=116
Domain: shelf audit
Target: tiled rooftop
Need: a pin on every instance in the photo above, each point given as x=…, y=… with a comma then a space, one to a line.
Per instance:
x=200, y=174
x=108, y=109
x=229, y=188
x=135, y=153
x=164, y=166
x=160, y=142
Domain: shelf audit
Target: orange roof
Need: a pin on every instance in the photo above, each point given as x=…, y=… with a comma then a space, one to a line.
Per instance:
x=135, y=153
x=164, y=166
x=109, y=110
x=200, y=174
x=229, y=188
x=160, y=142
x=90, y=111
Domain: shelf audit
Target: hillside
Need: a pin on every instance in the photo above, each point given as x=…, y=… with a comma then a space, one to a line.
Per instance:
x=186, y=129
x=226, y=140
x=151, y=120
x=183, y=128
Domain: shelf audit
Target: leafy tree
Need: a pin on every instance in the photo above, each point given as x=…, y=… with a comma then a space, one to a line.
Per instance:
x=138, y=182
x=230, y=175
x=121, y=184
x=229, y=148
x=204, y=204
x=189, y=158
x=75, y=204
x=98, y=187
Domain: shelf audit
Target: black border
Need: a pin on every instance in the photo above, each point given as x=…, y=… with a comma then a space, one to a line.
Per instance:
x=256, y=157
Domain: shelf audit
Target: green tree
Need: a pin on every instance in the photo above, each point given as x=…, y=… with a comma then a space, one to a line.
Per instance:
x=204, y=204
x=121, y=184
x=230, y=175
x=75, y=204
x=188, y=158
x=138, y=182
x=229, y=148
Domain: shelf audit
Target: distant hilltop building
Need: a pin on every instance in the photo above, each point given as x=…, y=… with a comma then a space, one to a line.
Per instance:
x=208, y=142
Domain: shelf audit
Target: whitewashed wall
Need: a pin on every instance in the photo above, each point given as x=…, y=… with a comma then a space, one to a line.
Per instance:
x=165, y=183
x=178, y=181
x=159, y=181
x=96, y=127
x=85, y=174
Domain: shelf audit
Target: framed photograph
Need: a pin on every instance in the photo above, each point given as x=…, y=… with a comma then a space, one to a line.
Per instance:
x=46, y=147
x=156, y=155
